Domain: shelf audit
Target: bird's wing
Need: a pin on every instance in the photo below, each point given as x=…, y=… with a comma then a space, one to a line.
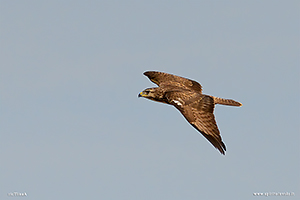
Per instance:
x=161, y=78
x=199, y=113
x=206, y=124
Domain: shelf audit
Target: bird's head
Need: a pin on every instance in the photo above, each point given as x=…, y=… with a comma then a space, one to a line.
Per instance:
x=152, y=93
x=148, y=93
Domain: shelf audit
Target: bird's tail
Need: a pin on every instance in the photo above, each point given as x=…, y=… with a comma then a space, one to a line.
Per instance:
x=228, y=102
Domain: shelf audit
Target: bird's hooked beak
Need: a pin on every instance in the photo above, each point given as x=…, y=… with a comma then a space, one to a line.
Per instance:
x=141, y=94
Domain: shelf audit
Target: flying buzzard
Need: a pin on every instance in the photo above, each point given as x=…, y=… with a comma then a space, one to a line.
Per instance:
x=186, y=95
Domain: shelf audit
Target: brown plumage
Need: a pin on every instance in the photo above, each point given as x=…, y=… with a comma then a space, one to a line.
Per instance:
x=186, y=95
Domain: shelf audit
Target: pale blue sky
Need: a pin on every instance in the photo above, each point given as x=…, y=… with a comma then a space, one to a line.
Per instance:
x=72, y=126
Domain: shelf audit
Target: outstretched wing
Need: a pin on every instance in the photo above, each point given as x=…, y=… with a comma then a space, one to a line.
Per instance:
x=161, y=78
x=206, y=124
x=199, y=113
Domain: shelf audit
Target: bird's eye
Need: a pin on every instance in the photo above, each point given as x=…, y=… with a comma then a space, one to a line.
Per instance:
x=147, y=92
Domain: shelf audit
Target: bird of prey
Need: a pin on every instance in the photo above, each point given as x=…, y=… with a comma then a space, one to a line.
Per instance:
x=186, y=95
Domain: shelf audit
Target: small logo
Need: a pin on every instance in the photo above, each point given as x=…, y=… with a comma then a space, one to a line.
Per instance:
x=17, y=194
